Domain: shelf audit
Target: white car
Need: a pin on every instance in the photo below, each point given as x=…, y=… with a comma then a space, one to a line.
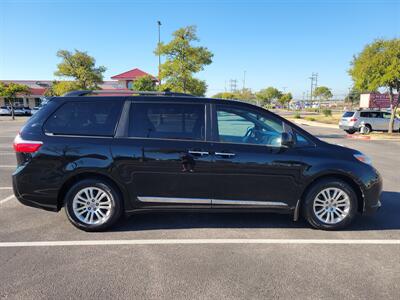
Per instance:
x=5, y=111
x=373, y=120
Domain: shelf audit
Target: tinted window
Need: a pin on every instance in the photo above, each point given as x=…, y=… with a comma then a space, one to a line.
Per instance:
x=97, y=118
x=386, y=115
x=348, y=114
x=244, y=126
x=167, y=120
x=364, y=114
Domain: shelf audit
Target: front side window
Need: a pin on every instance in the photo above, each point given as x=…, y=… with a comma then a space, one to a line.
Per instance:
x=94, y=118
x=167, y=121
x=237, y=125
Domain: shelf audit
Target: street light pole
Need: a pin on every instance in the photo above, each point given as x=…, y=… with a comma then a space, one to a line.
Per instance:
x=159, y=55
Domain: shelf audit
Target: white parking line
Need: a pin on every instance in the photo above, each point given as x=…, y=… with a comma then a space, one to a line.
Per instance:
x=8, y=166
x=7, y=153
x=5, y=187
x=200, y=241
x=6, y=199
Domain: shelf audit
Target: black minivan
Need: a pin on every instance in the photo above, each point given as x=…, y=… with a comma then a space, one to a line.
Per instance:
x=100, y=156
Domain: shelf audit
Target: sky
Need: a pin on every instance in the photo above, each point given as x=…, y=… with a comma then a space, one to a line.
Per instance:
x=275, y=43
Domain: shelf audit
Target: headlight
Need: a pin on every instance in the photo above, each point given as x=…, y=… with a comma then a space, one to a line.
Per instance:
x=363, y=158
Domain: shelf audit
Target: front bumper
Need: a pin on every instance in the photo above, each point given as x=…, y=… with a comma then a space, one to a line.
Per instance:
x=371, y=194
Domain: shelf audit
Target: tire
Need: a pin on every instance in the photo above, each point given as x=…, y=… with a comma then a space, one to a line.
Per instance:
x=368, y=129
x=328, y=218
x=86, y=212
x=350, y=131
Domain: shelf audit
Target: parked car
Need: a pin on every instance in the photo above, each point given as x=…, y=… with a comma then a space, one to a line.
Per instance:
x=19, y=111
x=100, y=157
x=373, y=120
x=34, y=110
x=27, y=111
x=5, y=111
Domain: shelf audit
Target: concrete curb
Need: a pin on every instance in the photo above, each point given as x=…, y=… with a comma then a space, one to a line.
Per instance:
x=312, y=123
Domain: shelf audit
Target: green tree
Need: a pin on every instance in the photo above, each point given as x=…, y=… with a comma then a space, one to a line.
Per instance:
x=81, y=69
x=182, y=61
x=59, y=88
x=266, y=96
x=285, y=99
x=378, y=66
x=322, y=92
x=226, y=95
x=353, y=96
x=11, y=90
x=144, y=83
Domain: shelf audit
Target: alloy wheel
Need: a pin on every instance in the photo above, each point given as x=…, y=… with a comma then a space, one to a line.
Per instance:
x=331, y=205
x=92, y=205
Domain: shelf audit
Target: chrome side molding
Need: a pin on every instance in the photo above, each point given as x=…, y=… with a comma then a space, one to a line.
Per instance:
x=174, y=200
x=209, y=201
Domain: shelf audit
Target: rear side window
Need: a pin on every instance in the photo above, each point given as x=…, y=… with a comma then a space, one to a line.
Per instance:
x=94, y=118
x=348, y=114
x=167, y=121
x=365, y=114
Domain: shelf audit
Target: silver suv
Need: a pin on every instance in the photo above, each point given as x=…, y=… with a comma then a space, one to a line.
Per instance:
x=373, y=120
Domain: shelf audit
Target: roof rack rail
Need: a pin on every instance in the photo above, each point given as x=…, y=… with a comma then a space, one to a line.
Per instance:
x=80, y=93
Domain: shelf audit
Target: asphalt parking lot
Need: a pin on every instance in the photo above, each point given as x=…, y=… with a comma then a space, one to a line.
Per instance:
x=202, y=256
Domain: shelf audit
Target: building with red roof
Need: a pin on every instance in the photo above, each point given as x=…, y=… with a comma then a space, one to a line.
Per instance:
x=126, y=79
x=38, y=88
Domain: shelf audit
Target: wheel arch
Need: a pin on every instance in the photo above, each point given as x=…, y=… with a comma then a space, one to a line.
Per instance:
x=345, y=178
x=87, y=175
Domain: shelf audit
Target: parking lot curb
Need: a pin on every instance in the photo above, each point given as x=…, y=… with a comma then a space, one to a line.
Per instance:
x=358, y=137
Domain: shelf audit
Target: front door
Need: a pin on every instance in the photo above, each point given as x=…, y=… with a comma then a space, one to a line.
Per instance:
x=251, y=167
x=164, y=158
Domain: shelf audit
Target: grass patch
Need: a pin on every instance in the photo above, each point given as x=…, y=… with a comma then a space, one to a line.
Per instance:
x=332, y=119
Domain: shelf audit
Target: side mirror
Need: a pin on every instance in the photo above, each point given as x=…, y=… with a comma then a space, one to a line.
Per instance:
x=287, y=139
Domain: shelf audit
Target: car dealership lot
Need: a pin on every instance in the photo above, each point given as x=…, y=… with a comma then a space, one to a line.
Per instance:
x=246, y=263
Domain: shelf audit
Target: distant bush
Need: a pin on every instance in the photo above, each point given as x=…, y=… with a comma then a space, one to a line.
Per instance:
x=310, y=119
x=297, y=115
x=327, y=112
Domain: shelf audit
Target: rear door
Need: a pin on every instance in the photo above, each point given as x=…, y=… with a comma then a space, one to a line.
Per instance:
x=162, y=155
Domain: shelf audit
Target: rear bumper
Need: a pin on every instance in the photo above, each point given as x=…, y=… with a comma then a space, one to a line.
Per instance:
x=36, y=199
x=347, y=127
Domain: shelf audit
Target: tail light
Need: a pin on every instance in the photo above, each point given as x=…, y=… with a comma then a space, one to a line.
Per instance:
x=21, y=145
x=353, y=119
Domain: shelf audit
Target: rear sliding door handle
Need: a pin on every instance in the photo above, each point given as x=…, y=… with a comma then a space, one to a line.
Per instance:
x=225, y=154
x=198, y=152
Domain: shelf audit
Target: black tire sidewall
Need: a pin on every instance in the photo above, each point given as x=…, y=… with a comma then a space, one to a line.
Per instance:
x=308, y=210
x=107, y=188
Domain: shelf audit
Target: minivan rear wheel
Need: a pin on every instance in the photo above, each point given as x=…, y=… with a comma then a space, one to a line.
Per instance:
x=330, y=204
x=93, y=205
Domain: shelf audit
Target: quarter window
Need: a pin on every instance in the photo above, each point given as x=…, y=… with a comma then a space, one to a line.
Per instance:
x=94, y=118
x=167, y=121
x=243, y=126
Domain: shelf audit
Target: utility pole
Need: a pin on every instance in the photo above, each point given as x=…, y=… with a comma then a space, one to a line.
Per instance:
x=244, y=80
x=233, y=85
x=314, y=82
x=159, y=55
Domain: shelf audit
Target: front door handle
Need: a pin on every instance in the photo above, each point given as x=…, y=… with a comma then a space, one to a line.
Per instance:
x=225, y=154
x=201, y=153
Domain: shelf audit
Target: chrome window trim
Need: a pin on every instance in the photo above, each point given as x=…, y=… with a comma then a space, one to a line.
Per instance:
x=78, y=136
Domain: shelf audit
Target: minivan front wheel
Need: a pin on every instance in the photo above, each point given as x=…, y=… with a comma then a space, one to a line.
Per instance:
x=330, y=204
x=92, y=205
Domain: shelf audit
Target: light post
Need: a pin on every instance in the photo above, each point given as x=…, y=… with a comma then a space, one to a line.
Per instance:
x=159, y=55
